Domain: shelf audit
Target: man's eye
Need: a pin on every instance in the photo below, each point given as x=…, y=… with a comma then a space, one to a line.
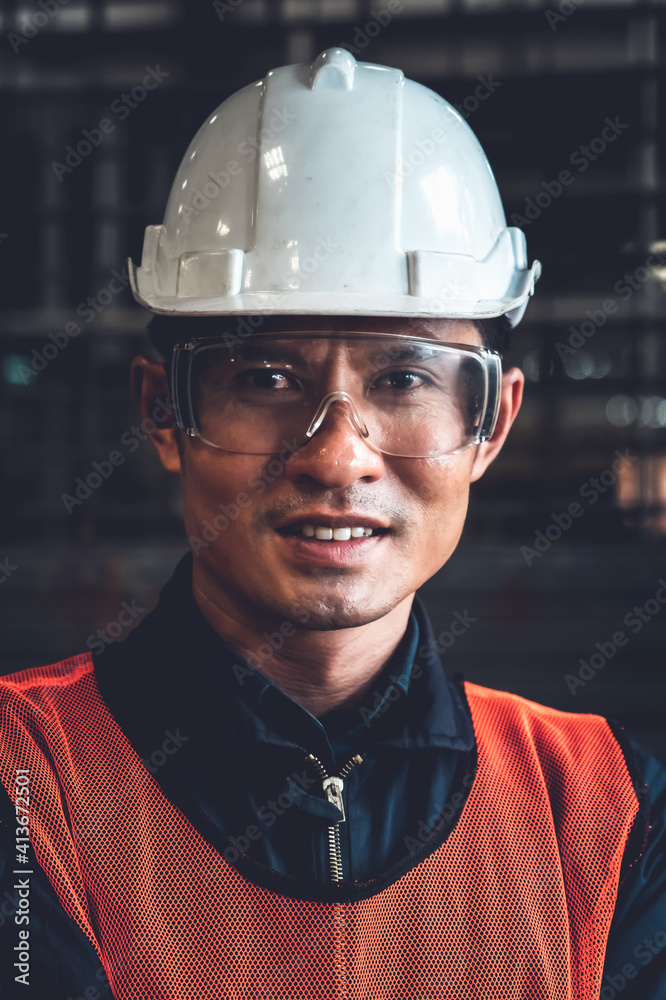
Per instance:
x=401, y=380
x=264, y=378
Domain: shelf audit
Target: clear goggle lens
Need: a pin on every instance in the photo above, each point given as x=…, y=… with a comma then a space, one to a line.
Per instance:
x=407, y=396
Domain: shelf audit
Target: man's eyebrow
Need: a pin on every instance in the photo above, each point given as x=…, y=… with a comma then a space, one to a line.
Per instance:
x=267, y=351
x=384, y=352
x=407, y=352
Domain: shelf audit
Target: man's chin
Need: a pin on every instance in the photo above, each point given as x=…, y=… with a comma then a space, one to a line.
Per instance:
x=324, y=615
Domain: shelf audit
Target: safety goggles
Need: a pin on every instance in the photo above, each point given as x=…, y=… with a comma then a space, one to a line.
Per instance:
x=409, y=397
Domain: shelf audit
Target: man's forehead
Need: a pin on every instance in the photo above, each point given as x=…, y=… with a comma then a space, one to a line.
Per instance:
x=444, y=330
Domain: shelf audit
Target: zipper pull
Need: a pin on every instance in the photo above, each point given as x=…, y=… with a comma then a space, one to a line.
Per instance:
x=333, y=790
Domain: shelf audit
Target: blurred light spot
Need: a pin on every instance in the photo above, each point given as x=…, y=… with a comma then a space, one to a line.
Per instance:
x=659, y=247
x=338, y=10
x=579, y=365
x=621, y=410
x=73, y=18
x=76, y=17
x=653, y=412
x=255, y=10
x=530, y=366
x=585, y=364
x=136, y=14
x=535, y=367
x=583, y=412
x=13, y=366
x=643, y=483
x=602, y=364
x=661, y=413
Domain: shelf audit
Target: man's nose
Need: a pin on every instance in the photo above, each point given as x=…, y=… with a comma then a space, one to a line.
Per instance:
x=336, y=454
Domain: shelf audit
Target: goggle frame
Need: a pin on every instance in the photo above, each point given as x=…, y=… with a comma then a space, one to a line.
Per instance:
x=184, y=352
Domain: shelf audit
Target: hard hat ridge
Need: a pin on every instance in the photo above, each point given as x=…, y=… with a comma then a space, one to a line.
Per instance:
x=333, y=68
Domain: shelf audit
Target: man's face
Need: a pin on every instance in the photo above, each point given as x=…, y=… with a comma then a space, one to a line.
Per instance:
x=243, y=512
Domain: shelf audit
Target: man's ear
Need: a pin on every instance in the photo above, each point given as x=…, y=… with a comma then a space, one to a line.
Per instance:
x=150, y=388
x=511, y=397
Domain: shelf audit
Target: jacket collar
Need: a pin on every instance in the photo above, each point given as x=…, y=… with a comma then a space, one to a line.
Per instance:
x=174, y=656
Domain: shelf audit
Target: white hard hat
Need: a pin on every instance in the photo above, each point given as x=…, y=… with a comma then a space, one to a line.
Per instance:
x=337, y=188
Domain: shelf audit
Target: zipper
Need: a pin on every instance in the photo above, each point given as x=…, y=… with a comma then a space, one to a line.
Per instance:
x=333, y=786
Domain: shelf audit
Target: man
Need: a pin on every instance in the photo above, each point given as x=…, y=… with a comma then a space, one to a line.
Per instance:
x=271, y=789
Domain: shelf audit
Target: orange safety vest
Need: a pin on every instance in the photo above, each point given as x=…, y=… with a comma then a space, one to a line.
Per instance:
x=516, y=903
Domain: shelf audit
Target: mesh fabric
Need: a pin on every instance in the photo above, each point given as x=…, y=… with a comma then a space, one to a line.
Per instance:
x=516, y=904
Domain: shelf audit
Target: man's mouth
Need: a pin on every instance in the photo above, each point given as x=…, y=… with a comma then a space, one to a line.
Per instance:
x=327, y=533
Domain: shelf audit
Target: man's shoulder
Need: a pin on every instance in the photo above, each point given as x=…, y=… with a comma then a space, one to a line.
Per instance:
x=35, y=683
x=564, y=740
x=37, y=707
x=518, y=704
x=575, y=758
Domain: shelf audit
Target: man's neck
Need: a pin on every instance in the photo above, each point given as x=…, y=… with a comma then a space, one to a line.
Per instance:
x=321, y=671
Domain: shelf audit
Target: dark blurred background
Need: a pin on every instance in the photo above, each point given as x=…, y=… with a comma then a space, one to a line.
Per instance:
x=552, y=73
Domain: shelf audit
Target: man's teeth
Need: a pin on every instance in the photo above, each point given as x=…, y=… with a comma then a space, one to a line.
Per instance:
x=334, y=534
